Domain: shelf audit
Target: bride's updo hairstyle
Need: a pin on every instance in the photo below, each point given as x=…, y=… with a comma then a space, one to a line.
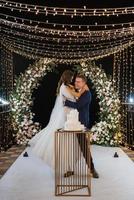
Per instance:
x=66, y=78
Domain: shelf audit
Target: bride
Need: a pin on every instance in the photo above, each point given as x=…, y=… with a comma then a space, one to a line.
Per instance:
x=43, y=142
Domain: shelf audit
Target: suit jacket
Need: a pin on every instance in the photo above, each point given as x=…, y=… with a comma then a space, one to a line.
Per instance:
x=82, y=105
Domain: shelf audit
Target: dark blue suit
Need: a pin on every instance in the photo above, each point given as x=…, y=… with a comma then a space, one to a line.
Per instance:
x=82, y=105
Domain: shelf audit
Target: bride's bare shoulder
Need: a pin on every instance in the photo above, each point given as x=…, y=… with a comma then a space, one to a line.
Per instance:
x=71, y=86
x=66, y=88
x=63, y=87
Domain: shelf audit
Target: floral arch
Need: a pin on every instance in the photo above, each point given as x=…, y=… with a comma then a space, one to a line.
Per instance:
x=105, y=132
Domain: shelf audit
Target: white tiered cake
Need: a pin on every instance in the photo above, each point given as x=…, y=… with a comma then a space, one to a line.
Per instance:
x=73, y=123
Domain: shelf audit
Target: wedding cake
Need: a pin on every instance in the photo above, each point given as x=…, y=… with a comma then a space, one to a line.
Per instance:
x=73, y=123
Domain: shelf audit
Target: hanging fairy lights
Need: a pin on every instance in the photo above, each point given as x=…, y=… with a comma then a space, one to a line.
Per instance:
x=124, y=113
x=123, y=74
x=64, y=25
x=116, y=65
x=130, y=99
x=68, y=46
x=131, y=74
x=30, y=52
x=72, y=12
x=6, y=75
x=125, y=88
x=72, y=38
x=65, y=32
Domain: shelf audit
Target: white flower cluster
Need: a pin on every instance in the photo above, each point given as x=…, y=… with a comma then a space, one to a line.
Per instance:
x=21, y=101
x=104, y=132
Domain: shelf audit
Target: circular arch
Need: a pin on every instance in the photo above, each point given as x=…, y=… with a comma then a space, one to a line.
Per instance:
x=105, y=132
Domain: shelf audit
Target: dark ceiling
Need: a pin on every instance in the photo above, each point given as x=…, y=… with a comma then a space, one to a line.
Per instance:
x=78, y=3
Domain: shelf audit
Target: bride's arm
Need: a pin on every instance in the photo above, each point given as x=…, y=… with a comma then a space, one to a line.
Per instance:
x=77, y=94
x=64, y=92
x=74, y=93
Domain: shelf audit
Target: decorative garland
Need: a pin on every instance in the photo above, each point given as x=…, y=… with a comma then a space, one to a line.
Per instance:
x=105, y=132
x=21, y=101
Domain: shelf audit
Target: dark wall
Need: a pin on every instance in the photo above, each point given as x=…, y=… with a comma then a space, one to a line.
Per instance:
x=81, y=3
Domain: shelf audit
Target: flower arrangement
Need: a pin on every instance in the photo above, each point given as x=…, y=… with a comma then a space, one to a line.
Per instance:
x=105, y=132
x=21, y=101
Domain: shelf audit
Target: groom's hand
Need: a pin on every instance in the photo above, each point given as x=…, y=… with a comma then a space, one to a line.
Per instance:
x=70, y=104
x=64, y=102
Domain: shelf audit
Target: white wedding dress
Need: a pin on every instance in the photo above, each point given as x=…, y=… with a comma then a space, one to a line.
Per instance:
x=43, y=142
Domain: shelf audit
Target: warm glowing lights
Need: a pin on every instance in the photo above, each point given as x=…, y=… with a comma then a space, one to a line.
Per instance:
x=3, y=102
x=67, y=11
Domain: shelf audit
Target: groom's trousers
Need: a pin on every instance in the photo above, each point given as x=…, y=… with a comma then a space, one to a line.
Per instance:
x=85, y=150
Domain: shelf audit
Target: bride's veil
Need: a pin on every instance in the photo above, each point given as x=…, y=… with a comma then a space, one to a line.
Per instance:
x=57, y=113
x=56, y=120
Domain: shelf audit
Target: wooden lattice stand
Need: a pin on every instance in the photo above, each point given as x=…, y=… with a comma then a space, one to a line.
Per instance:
x=72, y=163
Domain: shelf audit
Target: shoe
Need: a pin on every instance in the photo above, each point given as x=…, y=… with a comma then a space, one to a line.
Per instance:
x=95, y=173
x=68, y=173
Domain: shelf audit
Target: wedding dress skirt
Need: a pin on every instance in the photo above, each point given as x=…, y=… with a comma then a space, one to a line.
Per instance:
x=43, y=142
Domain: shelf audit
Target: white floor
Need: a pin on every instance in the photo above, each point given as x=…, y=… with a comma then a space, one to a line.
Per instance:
x=30, y=179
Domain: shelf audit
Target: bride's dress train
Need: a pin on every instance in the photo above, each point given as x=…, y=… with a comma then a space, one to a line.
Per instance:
x=43, y=142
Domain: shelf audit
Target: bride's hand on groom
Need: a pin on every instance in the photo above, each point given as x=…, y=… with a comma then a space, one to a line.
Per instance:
x=71, y=86
x=86, y=88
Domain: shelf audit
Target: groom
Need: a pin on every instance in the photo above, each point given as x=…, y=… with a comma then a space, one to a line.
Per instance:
x=82, y=105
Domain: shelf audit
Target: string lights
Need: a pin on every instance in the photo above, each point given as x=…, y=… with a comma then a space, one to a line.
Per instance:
x=34, y=53
x=72, y=12
x=68, y=46
x=6, y=75
x=123, y=73
x=71, y=38
x=64, y=25
x=130, y=99
x=131, y=70
x=66, y=32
